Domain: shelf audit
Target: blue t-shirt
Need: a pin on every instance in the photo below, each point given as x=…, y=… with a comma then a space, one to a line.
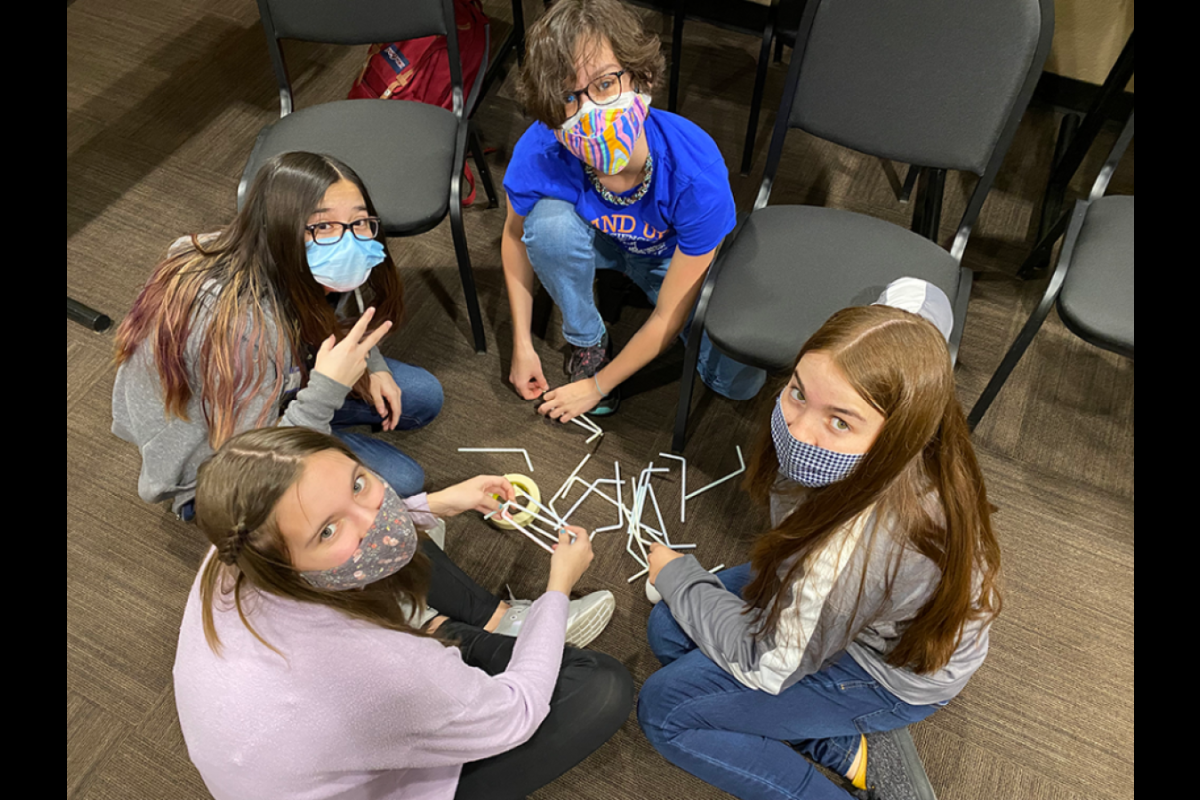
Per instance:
x=689, y=203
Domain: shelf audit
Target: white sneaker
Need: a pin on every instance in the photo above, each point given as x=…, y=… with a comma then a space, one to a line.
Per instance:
x=587, y=618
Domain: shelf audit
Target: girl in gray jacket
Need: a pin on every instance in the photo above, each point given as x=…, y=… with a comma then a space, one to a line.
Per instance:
x=228, y=332
x=868, y=604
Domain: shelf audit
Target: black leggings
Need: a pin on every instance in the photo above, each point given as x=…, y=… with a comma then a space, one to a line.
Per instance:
x=591, y=700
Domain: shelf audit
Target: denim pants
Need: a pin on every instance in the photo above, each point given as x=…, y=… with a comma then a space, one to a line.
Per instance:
x=566, y=251
x=420, y=402
x=744, y=740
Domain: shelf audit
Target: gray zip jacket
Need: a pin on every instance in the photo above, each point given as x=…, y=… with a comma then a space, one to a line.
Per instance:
x=173, y=449
x=813, y=627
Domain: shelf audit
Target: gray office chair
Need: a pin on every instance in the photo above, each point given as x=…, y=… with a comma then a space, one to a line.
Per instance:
x=1093, y=282
x=410, y=154
x=939, y=83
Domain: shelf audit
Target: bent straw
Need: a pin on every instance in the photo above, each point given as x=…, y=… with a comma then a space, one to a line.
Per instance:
x=682, y=484
x=530, y=536
x=620, y=507
x=657, y=513
x=735, y=473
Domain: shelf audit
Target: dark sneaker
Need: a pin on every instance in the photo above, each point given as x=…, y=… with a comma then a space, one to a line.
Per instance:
x=894, y=770
x=585, y=362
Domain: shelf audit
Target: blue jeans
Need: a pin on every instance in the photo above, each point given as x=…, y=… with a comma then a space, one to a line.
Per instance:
x=744, y=740
x=420, y=401
x=566, y=251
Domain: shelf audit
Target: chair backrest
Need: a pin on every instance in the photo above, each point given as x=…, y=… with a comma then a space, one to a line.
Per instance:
x=935, y=83
x=357, y=22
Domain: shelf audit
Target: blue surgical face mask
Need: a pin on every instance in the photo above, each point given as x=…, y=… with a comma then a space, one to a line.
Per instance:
x=344, y=266
x=806, y=464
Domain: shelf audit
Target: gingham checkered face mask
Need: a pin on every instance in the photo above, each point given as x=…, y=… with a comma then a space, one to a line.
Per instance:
x=389, y=544
x=806, y=464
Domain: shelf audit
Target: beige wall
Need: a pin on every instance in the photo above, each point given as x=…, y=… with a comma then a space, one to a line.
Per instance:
x=1088, y=37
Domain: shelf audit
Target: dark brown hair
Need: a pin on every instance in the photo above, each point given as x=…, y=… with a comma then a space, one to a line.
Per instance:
x=236, y=494
x=259, y=267
x=900, y=365
x=567, y=35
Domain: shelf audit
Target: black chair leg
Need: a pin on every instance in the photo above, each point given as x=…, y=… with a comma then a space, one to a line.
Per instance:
x=910, y=183
x=927, y=214
x=1010, y=361
x=1075, y=138
x=686, y=383
x=467, y=275
x=1040, y=254
x=1018, y=348
x=676, y=54
x=760, y=80
x=485, y=174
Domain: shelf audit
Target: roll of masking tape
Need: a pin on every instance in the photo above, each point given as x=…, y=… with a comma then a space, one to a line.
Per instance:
x=530, y=488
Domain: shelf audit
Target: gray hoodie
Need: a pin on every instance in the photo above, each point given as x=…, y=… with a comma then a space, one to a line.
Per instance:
x=817, y=615
x=172, y=448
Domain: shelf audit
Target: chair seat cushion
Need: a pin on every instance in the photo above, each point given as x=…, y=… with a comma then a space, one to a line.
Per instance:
x=792, y=267
x=402, y=150
x=1096, y=301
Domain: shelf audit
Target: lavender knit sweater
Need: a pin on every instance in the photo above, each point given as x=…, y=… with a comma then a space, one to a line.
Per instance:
x=353, y=711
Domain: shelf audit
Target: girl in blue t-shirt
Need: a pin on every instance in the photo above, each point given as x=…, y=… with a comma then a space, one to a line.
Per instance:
x=600, y=182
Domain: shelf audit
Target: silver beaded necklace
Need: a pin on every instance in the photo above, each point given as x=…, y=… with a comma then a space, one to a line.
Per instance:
x=616, y=200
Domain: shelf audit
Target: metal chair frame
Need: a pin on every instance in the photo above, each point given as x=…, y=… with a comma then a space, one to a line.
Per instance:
x=1072, y=224
x=464, y=134
x=957, y=247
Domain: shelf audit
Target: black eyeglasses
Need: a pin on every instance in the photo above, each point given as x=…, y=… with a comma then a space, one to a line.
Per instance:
x=603, y=91
x=329, y=232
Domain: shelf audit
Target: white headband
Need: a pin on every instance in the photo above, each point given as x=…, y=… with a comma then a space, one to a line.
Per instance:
x=921, y=298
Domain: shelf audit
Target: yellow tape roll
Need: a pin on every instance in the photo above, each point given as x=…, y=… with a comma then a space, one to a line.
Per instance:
x=527, y=485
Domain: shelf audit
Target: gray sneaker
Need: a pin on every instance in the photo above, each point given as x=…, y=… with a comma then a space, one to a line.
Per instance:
x=587, y=618
x=894, y=770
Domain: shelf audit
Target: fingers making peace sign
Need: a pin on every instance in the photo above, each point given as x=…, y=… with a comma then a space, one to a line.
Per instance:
x=345, y=361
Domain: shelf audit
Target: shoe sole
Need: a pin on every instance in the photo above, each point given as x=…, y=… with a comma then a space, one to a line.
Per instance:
x=591, y=623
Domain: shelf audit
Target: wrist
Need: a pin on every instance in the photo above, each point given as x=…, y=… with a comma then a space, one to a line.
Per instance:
x=602, y=384
x=557, y=584
x=436, y=503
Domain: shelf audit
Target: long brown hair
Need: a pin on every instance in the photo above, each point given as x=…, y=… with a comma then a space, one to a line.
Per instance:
x=261, y=302
x=237, y=490
x=900, y=365
x=565, y=35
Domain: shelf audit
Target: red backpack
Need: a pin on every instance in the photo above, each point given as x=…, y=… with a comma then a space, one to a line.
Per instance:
x=419, y=69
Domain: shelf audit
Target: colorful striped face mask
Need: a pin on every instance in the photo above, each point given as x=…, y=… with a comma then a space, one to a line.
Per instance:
x=603, y=136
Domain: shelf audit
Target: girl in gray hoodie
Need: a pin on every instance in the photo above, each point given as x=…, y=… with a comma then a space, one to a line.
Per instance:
x=227, y=334
x=866, y=607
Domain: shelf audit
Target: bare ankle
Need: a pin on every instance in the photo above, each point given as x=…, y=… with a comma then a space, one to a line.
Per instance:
x=494, y=622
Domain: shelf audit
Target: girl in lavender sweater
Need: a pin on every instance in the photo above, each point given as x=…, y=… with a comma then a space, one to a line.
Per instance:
x=312, y=662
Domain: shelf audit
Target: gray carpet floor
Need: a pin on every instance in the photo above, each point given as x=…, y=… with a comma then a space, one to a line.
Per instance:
x=163, y=103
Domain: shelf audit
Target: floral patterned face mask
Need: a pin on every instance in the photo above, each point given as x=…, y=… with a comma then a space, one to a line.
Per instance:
x=389, y=544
